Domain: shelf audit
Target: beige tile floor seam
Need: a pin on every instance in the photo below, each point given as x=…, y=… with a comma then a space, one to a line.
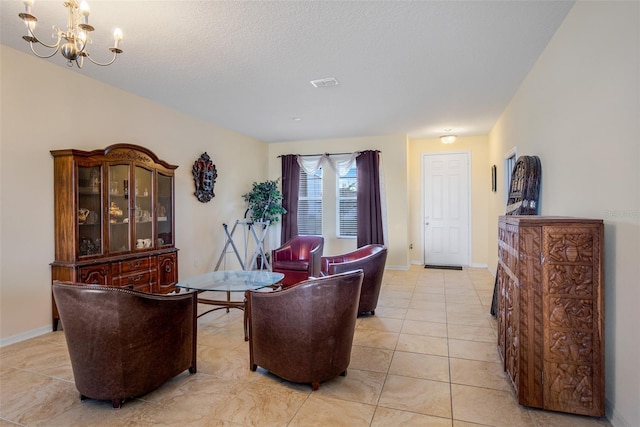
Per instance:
x=427, y=358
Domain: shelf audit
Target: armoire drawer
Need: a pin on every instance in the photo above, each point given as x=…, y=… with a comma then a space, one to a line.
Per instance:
x=132, y=265
x=136, y=280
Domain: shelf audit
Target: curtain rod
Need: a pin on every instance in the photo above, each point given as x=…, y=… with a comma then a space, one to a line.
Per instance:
x=326, y=154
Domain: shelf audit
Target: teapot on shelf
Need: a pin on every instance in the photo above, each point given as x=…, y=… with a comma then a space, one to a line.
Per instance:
x=83, y=213
x=114, y=212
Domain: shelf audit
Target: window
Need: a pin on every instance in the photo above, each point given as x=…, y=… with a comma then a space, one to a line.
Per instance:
x=310, y=203
x=347, y=205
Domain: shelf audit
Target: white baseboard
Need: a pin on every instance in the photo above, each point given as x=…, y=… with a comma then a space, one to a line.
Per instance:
x=25, y=335
x=477, y=265
x=396, y=267
x=613, y=416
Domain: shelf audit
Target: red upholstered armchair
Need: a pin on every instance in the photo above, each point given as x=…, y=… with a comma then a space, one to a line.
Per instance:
x=124, y=343
x=298, y=259
x=371, y=259
x=304, y=333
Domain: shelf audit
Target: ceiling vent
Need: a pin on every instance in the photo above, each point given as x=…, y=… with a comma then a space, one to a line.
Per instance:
x=329, y=81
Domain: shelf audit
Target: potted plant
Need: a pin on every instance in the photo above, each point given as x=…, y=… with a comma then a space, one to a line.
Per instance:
x=265, y=202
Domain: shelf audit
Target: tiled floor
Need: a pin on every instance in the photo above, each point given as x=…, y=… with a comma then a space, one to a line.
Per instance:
x=427, y=358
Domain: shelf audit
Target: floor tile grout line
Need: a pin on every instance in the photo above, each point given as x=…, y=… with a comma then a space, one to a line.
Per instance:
x=449, y=356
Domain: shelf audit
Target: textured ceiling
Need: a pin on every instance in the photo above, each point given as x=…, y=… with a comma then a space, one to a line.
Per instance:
x=404, y=67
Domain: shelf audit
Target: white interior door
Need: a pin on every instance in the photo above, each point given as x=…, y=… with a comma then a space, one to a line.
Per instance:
x=446, y=208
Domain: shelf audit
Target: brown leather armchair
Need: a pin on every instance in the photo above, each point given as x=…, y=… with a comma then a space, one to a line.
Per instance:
x=298, y=259
x=125, y=343
x=371, y=259
x=304, y=333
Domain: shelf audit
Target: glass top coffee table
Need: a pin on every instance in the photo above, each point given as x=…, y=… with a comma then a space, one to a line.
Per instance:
x=230, y=281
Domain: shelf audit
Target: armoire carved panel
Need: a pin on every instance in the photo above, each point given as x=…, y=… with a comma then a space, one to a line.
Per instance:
x=550, y=311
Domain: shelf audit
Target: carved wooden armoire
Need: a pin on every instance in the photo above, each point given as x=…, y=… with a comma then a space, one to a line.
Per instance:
x=550, y=311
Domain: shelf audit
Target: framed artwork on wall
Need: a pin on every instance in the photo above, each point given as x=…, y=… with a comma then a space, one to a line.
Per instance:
x=494, y=183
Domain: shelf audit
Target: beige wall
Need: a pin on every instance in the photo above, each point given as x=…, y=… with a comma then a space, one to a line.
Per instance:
x=477, y=147
x=393, y=150
x=579, y=110
x=47, y=107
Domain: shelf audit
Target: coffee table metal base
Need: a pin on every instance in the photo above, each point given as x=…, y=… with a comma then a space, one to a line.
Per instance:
x=222, y=304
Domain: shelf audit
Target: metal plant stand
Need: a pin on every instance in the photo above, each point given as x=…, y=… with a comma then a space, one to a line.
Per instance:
x=258, y=231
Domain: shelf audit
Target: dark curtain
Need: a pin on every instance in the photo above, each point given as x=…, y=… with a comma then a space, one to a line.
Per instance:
x=290, y=192
x=369, y=203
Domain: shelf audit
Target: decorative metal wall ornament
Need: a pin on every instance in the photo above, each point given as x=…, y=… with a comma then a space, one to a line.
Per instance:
x=204, y=177
x=524, y=189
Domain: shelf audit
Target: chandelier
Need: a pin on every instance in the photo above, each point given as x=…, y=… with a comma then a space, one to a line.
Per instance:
x=73, y=42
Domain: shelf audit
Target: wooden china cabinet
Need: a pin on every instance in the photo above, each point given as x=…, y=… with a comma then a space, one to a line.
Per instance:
x=114, y=219
x=551, y=311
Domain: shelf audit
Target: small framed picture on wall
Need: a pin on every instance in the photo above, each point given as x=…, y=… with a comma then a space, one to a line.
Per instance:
x=494, y=182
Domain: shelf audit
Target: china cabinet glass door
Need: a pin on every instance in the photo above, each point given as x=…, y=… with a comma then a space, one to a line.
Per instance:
x=119, y=190
x=143, y=211
x=89, y=210
x=164, y=210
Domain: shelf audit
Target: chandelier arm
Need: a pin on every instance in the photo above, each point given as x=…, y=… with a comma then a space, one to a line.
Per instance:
x=57, y=48
x=50, y=46
x=81, y=50
x=102, y=64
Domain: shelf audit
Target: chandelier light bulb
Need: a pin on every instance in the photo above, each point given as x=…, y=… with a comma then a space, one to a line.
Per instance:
x=28, y=4
x=117, y=37
x=86, y=11
x=117, y=34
